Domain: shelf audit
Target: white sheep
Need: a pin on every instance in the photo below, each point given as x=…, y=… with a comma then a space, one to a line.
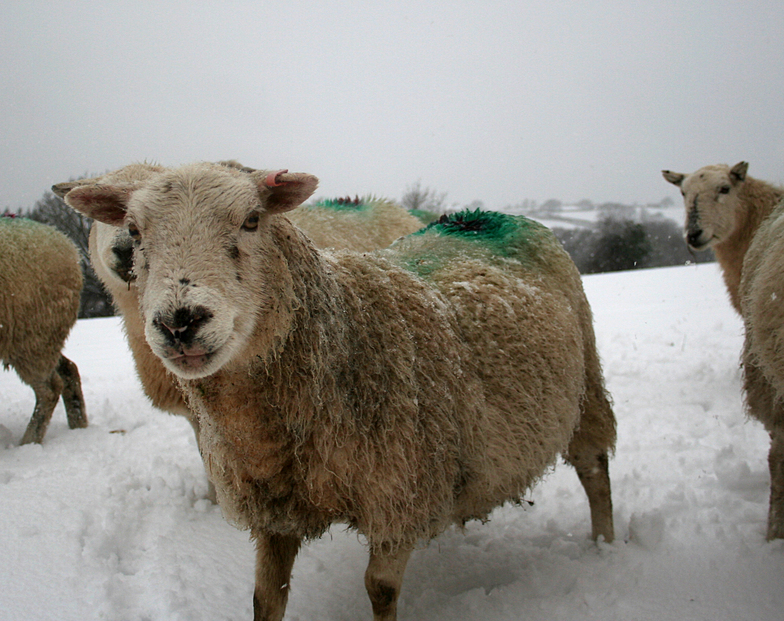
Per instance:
x=397, y=392
x=111, y=256
x=361, y=225
x=40, y=286
x=741, y=219
x=724, y=208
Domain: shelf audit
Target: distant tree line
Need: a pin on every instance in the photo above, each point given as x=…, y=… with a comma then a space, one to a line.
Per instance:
x=616, y=243
x=621, y=244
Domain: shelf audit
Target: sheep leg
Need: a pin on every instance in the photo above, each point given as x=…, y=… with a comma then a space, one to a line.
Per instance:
x=275, y=556
x=765, y=407
x=383, y=578
x=193, y=419
x=72, y=393
x=47, y=392
x=776, y=465
x=593, y=471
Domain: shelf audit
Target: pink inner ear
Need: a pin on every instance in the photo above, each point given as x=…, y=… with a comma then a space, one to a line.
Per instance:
x=104, y=203
x=272, y=179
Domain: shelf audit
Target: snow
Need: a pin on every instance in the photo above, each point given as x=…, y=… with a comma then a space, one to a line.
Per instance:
x=111, y=522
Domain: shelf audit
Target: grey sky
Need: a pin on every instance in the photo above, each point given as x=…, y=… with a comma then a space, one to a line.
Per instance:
x=496, y=101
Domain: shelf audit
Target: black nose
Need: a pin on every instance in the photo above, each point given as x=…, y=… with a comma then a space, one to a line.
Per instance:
x=182, y=325
x=693, y=237
x=123, y=254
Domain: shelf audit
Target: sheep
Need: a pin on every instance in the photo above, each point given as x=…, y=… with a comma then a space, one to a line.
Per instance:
x=111, y=258
x=40, y=286
x=741, y=219
x=364, y=224
x=398, y=392
x=724, y=208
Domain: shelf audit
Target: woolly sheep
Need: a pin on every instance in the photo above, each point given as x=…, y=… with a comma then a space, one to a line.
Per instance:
x=397, y=392
x=361, y=225
x=741, y=219
x=40, y=285
x=724, y=208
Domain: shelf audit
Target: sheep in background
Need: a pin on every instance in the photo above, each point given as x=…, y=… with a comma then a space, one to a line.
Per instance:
x=397, y=392
x=40, y=285
x=363, y=224
x=111, y=255
x=724, y=208
x=741, y=219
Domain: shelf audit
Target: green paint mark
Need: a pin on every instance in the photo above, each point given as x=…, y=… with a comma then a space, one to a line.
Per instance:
x=474, y=234
x=504, y=234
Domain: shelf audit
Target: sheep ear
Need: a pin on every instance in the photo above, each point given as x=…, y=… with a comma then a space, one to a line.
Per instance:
x=672, y=177
x=105, y=203
x=738, y=172
x=61, y=189
x=283, y=191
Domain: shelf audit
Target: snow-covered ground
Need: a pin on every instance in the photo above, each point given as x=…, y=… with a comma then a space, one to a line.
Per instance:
x=111, y=522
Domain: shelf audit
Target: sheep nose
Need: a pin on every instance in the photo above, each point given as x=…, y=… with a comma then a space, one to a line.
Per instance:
x=181, y=325
x=123, y=262
x=693, y=237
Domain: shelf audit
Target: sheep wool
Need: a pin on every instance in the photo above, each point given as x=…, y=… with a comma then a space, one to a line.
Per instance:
x=40, y=286
x=363, y=224
x=397, y=392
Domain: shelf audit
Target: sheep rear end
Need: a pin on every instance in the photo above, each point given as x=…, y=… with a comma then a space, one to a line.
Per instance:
x=40, y=281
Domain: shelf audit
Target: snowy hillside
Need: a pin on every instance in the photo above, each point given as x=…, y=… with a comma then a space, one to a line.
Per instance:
x=111, y=523
x=579, y=217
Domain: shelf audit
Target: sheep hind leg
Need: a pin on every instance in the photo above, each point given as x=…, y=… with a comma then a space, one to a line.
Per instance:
x=73, y=399
x=776, y=465
x=275, y=556
x=383, y=579
x=592, y=468
x=47, y=392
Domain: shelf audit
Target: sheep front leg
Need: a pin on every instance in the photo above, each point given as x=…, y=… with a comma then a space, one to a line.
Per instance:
x=776, y=465
x=383, y=578
x=275, y=556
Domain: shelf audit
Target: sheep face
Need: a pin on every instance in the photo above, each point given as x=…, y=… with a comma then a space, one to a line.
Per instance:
x=208, y=270
x=113, y=248
x=710, y=196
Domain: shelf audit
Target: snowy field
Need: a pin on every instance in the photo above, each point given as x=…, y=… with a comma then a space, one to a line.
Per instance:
x=111, y=522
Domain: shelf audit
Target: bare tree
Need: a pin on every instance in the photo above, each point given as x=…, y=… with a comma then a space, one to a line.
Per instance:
x=417, y=199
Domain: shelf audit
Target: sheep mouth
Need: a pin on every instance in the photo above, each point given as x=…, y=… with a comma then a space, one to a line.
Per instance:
x=187, y=361
x=191, y=362
x=698, y=243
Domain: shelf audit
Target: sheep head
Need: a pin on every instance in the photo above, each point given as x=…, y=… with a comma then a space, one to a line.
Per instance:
x=710, y=196
x=110, y=245
x=209, y=271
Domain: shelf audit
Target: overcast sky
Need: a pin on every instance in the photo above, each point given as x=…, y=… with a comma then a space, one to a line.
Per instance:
x=495, y=101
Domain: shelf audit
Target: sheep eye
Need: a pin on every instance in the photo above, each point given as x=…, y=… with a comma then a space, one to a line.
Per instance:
x=133, y=231
x=251, y=222
x=725, y=189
